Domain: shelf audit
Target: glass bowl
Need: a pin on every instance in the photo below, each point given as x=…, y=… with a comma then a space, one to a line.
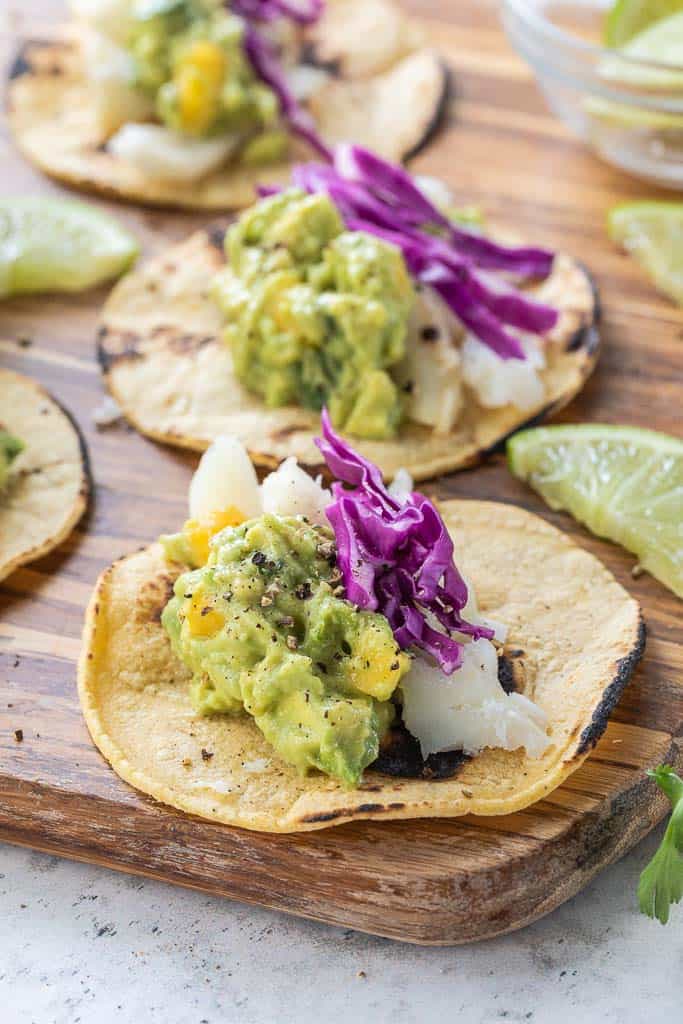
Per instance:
x=630, y=111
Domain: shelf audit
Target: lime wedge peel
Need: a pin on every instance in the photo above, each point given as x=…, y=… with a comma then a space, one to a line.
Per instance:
x=57, y=245
x=646, y=37
x=652, y=232
x=628, y=18
x=623, y=483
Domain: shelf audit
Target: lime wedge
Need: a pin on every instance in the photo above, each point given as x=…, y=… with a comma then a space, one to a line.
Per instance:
x=629, y=17
x=652, y=232
x=623, y=483
x=59, y=245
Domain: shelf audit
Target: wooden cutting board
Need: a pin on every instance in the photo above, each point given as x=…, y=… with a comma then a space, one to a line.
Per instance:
x=426, y=881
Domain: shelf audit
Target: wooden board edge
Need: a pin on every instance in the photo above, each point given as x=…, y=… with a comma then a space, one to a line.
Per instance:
x=211, y=858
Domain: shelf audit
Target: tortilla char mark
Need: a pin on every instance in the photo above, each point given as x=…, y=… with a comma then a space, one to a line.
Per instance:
x=41, y=57
x=180, y=342
x=21, y=65
x=400, y=753
x=441, y=112
x=511, y=672
x=215, y=235
x=114, y=347
x=154, y=596
x=625, y=668
x=117, y=346
x=587, y=335
x=352, y=812
x=400, y=756
x=309, y=55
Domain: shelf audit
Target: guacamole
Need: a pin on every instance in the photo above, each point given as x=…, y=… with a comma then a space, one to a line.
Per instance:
x=188, y=56
x=264, y=628
x=10, y=447
x=316, y=315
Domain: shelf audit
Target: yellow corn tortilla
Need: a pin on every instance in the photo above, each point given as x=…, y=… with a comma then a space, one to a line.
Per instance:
x=387, y=92
x=164, y=363
x=47, y=490
x=576, y=631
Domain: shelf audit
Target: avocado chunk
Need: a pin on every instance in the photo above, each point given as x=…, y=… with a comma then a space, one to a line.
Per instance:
x=265, y=630
x=10, y=447
x=316, y=315
x=189, y=57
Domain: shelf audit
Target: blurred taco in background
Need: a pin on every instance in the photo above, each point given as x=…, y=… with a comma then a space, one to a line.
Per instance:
x=190, y=102
x=359, y=288
x=43, y=472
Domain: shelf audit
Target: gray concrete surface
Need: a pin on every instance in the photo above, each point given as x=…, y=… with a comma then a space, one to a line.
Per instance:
x=81, y=944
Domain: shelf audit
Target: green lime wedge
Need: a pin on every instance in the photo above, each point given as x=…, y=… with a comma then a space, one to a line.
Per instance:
x=629, y=17
x=645, y=66
x=623, y=483
x=58, y=245
x=661, y=43
x=652, y=232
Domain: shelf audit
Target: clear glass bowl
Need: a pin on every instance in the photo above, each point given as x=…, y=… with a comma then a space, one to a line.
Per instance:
x=629, y=111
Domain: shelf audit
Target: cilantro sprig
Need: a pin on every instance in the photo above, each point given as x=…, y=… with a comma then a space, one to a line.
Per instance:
x=661, y=883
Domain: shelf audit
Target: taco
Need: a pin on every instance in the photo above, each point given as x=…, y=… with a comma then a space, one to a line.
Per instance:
x=428, y=341
x=43, y=472
x=294, y=659
x=188, y=103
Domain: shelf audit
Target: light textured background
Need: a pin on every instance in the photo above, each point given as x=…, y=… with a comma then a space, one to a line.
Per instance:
x=81, y=944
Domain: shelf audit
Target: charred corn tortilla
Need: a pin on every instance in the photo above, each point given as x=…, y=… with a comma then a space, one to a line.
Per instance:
x=47, y=490
x=164, y=362
x=576, y=631
x=384, y=93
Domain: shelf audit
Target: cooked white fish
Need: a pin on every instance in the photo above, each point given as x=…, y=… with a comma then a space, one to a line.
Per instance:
x=469, y=710
x=225, y=476
x=165, y=155
x=290, y=491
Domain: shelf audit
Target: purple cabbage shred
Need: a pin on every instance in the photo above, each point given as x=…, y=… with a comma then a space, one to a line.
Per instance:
x=304, y=12
x=396, y=557
x=263, y=57
x=465, y=268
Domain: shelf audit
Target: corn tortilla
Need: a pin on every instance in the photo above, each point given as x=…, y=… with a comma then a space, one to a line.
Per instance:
x=47, y=489
x=386, y=91
x=135, y=696
x=165, y=364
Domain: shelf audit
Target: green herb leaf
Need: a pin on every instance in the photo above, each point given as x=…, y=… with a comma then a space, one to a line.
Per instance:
x=661, y=883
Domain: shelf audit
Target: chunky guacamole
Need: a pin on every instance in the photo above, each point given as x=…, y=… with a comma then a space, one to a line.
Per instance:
x=10, y=447
x=189, y=58
x=264, y=629
x=316, y=315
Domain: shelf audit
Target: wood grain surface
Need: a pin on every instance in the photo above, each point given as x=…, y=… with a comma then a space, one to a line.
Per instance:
x=426, y=881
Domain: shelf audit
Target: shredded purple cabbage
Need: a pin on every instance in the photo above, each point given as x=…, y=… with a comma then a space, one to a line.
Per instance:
x=263, y=57
x=305, y=12
x=264, y=60
x=382, y=199
x=411, y=208
x=396, y=557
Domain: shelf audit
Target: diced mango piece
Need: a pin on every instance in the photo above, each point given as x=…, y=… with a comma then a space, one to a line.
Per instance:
x=199, y=533
x=202, y=618
x=199, y=76
x=377, y=666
